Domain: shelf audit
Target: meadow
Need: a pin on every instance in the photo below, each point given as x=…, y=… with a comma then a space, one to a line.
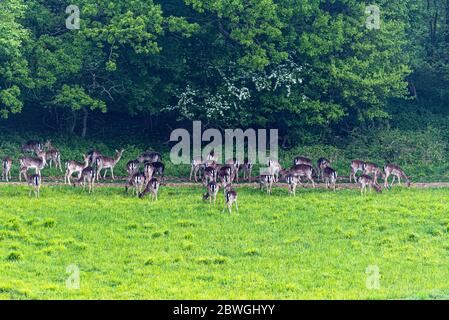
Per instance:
x=318, y=245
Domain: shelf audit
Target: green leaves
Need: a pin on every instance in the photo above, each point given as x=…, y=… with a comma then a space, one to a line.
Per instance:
x=76, y=98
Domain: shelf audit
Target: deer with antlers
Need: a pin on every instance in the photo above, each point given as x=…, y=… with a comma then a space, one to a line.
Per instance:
x=108, y=163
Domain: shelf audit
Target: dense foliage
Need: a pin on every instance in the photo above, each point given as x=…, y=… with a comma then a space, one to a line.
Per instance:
x=311, y=68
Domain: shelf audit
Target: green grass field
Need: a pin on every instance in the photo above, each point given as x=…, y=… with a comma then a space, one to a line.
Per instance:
x=315, y=246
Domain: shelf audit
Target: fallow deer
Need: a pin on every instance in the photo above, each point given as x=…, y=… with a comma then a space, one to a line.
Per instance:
x=372, y=168
x=302, y=160
x=149, y=156
x=266, y=181
x=212, y=156
x=292, y=181
x=356, y=166
x=395, y=171
x=321, y=164
x=303, y=170
x=224, y=174
x=53, y=155
x=153, y=188
x=195, y=166
x=247, y=169
x=88, y=175
x=330, y=177
x=32, y=146
x=210, y=174
x=137, y=181
x=230, y=198
x=132, y=167
x=108, y=163
x=154, y=168
x=367, y=181
x=34, y=183
x=73, y=166
x=6, y=168
x=93, y=156
x=212, y=191
x=274, y=168
x=27, y=163
x=235, y=165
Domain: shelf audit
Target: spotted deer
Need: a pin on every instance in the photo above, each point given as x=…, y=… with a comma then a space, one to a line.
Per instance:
x=152, y=188
x=302, y=160
x=395, y=171
x=292, y=182
x=247, y=169
x=210, y=174
x=212, y=191
x=367, y=181
x=356, y=166
x=132, y=167
x=32, y=146
x=88, y=175
x=224, y=174
x=34, y=183
x=372, y=168
x=108, y=163
x=137, y=181
x=73, y=166
x=266, y=181
x=93, y=156
x=321, y=164
x=230, y=198
x=195, y=166
x=235, y=165
x=27, y=163
x=154, y=168
x=330, y=177
x=274, y=167
x=303, y=170
x=6, y=168
x=149, y=156
x=53, y=155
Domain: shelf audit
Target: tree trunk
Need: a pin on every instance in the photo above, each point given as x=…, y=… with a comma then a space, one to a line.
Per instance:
x=86, y=114
x=75, y=117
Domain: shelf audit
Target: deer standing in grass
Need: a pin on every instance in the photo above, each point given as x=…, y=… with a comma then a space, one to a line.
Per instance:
x=224, y=174
x=367, y=181
x=108, y=163
x=356, y=166
x=235, y=165
x=274, y=167
x=34, y=183
x=292, y=181
x=152, y=188
x=322, y=163
x=303, y=170
x=53, y=155
x=230, y=198
x=6, y=168
x=154, y=168
x=395, y=171
x=88, y=175
x=372, y=168
x=27, y=163
x=247, y=169
x=132, y=167
x=266, y=181
x=330, y=177
x=73, y=166
x=93, y=156
x=212, y=191
x=137, y=181
x=210, y=174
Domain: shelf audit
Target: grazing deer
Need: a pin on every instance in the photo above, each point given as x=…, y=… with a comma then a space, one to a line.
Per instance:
x=302, y=160
x=34, y=183
x=330, y=177
x=266, y=181
x=303, y=170
x=6, y=168
x=154, y=168
x=149, y=156
x=32, y=146
x=108, y=163
x=73, y=166
x=247, y=169
x=274, y=168
x=132, y=167
x=395, y=171
x=356, y=166
x=212, y=191
x=321, y=164
x=372, y=168
x=37, y=164
x=230, y=198
x=87, y=175
x=292, y=181
x=366, y=181
x=235, y=165
x=137, y=181
x=53, y=155
x=153, y=188
x=93, y=156
x=210, y=174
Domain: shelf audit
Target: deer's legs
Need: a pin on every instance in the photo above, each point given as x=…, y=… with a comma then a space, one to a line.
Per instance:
x=392, y=182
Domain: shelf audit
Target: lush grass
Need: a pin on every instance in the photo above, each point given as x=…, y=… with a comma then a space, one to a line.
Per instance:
x=317, y=245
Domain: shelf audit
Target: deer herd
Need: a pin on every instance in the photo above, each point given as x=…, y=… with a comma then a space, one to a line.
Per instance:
x=146, y=172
